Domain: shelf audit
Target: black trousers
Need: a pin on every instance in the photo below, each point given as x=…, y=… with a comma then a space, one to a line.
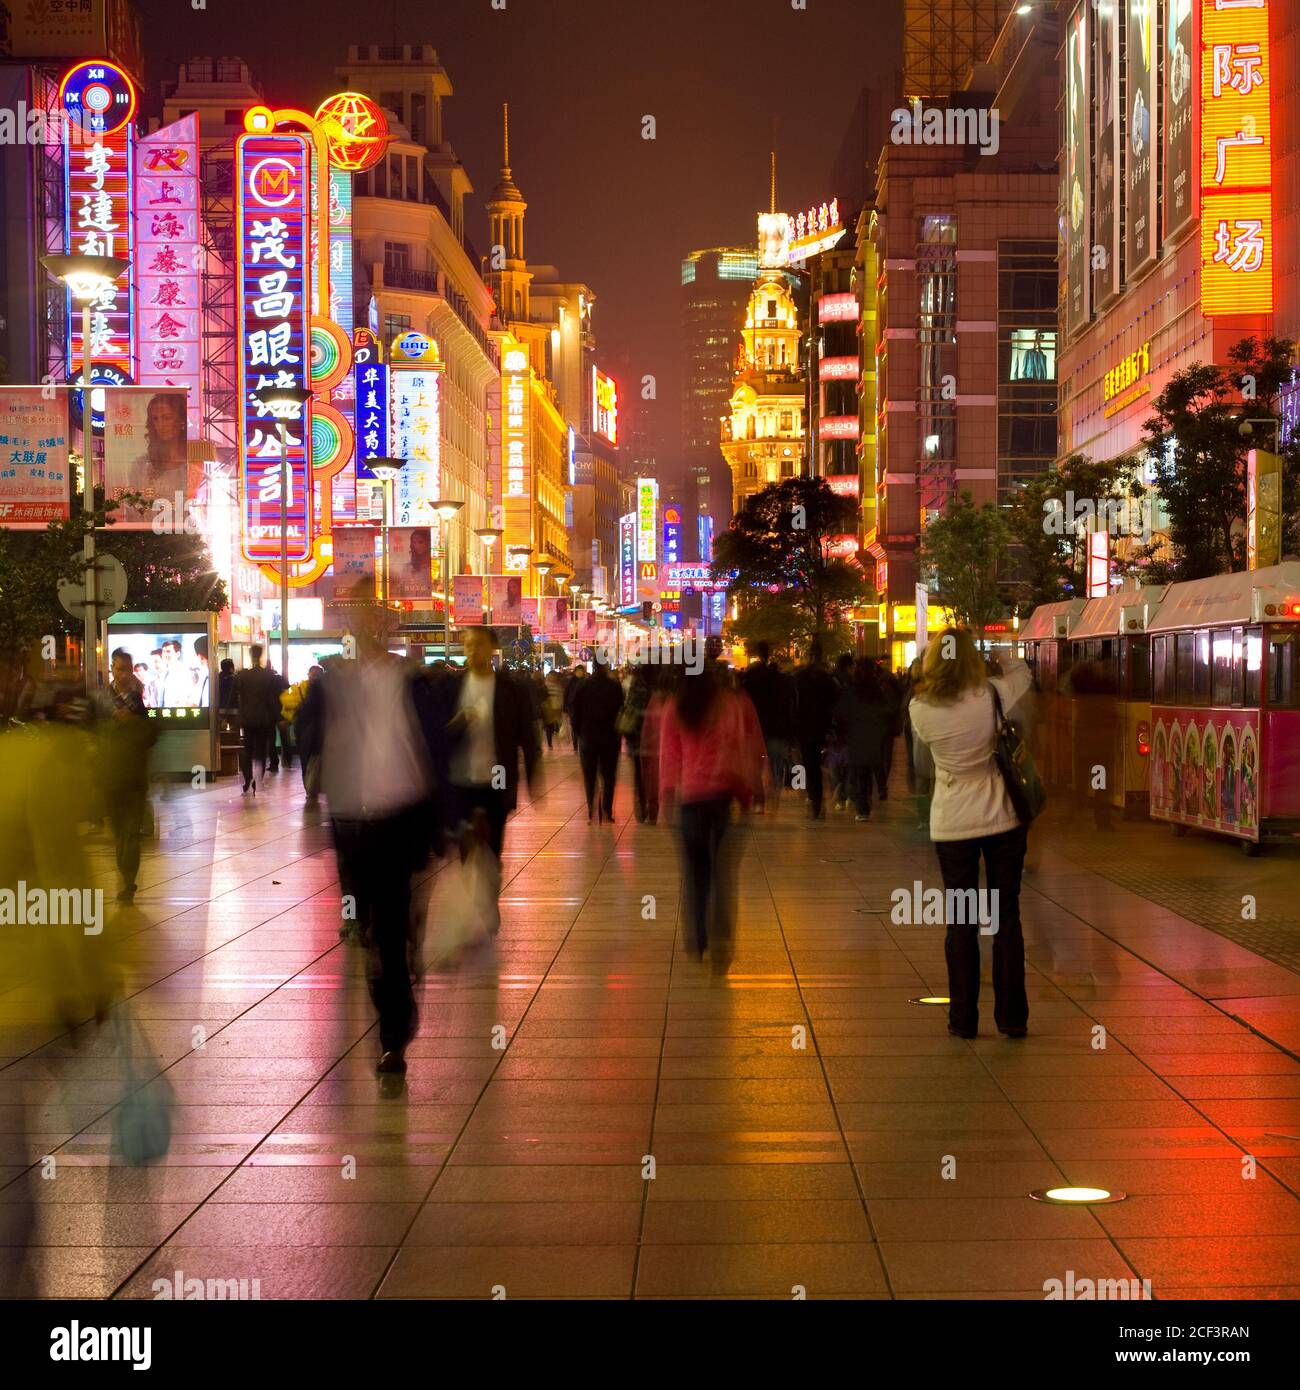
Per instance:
x=492, y=802
x=376, y=860
x=1004, y=858
x=709, y=862
x=638, y=778
x=599, y=756
x=859, y=781
x=810, y=754
x=257, y=745
x=126, y=816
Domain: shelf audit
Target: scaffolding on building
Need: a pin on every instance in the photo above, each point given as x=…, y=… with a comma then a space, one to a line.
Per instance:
x=943, y=39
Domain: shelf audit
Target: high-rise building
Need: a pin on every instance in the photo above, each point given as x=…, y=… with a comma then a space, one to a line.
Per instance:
x=715, y=291
x=942, y=39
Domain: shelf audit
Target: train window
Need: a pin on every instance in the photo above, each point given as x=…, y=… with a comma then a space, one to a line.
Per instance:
x=1221, y=692
x=1201, y=668
x=1237, y=671
x=1164, y=693
x=1183, y=646
x=1139, y=668
x=1282, y=670
x=1254, y=663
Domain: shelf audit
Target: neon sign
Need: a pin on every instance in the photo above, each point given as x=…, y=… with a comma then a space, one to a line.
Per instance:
x=604, y=405
x=838, y=427
x=838, y=369
x=627, y=559
x=417, y=437
x=1236, y=158
x=372, y=400
x=273, y=233
x=837, y=308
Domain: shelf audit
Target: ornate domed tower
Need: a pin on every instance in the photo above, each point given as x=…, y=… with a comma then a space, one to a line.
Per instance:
x=507, y=272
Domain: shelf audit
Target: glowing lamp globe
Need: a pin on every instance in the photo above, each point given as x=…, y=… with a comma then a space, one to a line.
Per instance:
x=356, y=129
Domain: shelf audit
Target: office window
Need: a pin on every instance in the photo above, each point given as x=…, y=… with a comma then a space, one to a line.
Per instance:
x=395, y=325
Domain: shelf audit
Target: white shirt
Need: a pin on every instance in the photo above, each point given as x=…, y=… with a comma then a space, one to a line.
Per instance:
x=374, y=763
x=970, y=798
x=476, y=753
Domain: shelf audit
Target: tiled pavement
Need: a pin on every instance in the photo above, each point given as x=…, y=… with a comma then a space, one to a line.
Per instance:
x=807, y=1127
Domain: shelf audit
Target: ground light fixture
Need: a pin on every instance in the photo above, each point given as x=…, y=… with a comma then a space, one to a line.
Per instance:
x=1077, y=1196
x=930, y=999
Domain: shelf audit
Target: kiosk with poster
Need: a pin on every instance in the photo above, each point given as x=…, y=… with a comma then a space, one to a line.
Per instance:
x=171, y=654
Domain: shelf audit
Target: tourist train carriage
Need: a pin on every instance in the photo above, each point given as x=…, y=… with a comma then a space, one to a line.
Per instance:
x=1045, y=636
x=1225, y=750
x=1112, y=725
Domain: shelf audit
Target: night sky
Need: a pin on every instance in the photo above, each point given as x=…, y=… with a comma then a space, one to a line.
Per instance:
x=604, y=205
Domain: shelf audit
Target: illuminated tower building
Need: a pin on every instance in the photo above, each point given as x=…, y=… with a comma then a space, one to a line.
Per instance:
x=943, y=39
x=508, y=273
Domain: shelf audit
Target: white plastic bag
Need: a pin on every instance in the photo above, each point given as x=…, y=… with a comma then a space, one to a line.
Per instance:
x=467, y=915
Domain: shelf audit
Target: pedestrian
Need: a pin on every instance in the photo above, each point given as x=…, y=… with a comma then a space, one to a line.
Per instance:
x=864, y=718
x=570, y=691
x=291, y=705
x=125, y=736
x=257, y=695
x=953, y=715
x=892, y=690
x=772, y=692
x=554, y=707
x=373, y=725
x=487, y=722
x=597, y=704
x=661, y=691
x=816, y=694
x=637, y=691
x=920, y=768
x=710, y=755
x=1097, y=725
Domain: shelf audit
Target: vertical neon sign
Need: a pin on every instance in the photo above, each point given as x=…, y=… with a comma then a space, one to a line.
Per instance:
x=273, y=233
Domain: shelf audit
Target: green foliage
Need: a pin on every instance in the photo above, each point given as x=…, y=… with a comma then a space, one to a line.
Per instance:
x=788, y=590
x=962, y=549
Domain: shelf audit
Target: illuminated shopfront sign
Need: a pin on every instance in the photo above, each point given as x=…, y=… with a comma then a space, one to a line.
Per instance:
x=838, y=369
x=98, y=102
x=647, y=508
x=816, y=230
x=416, y=394
x=627, y=559
x=273, y=237
x=838, y=427
x=516, y=448
x=604, y=405
x=672, y=535
x=168, y=262
x=837, y=308
x=1126, y=381
x=1236, y=158
x=844, y=484
x=372, y=400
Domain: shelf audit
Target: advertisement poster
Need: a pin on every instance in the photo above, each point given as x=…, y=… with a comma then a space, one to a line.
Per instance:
x=1140, y=133
x=410, y=562
x=416, y=404
x=528, y=613
x=1078, y=178
x=1205, y=769
x=586, y=624
x=627, y=560
x=34, y=472
x=1106, y=161
x=1180, y=147
x=506, y=595
x=559, y=626
x=172, y=667
x=146, y=450
x=354, y=562
x=467, y=600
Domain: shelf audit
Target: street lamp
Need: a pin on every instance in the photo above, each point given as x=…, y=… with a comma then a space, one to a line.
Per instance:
x=386, y=470
x=446, y=507
x=87, y=278
x=489, y=535
x=285, y=403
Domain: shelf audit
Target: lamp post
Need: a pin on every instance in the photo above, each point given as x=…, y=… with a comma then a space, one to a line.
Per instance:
x=521, y=553
x=561, y=581
x=386, y=470
x=285, y=403
x=543, y=568
x=489, y=535
x=446, y=507
x=87, y=278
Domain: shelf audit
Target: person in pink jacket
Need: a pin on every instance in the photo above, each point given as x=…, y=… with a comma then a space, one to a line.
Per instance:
x=710, y=754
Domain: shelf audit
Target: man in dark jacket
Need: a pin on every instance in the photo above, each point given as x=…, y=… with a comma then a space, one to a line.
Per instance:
x=773, y=694
x=257, y=693
x=126, y=735
x=817, y=695
x=596, y=706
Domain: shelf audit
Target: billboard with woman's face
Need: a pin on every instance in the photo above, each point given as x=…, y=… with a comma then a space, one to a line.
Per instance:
x=410, y=562
x=146, y=451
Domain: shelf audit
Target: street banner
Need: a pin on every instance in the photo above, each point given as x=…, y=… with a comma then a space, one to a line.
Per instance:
x=467, y=600
x=556, y=614
x=506, y=595
x=34, y=472
x=410, y=562
x=528, y=613
x=354, y=562
x=146, y=450
x=586, y=624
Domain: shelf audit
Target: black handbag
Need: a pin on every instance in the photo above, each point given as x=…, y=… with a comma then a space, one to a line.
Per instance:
x=1016, y=764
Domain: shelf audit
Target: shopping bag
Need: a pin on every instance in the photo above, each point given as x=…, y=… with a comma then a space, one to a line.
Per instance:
x=142, y=1121
x=468, y=915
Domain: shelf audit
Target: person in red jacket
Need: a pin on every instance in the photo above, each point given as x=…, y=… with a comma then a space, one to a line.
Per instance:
x=710, y=754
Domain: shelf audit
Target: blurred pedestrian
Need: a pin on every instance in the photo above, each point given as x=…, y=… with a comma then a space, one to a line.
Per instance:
x=257, y=695
x=816, y=693
x=291, y=704
x=954, y=716
x=710, y=755
x=864, y=718
x=125, y=735
x=772, y=692
x=570, y=693
x=637, y=691
x=596, y=708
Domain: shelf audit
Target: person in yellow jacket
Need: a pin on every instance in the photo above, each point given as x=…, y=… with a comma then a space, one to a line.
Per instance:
x=291, y=703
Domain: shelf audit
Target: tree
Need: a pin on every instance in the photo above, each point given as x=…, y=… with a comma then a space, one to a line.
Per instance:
x=1048, y=516
x=1199, y=454
x=777, y=547
x=962, y=549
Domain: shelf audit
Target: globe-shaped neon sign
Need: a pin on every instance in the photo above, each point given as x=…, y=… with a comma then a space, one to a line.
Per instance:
x=356, y=128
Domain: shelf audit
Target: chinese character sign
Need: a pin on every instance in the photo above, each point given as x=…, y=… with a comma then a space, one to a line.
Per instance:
x=34, y=472
x=1180, y=155
x=647, y=508
x=467, y=599
x=273, y=233
x=417, y=439
x=1236, y=158
x=627, y=560
x=672, y=535
x=168, y=264
x=1078, y=176
x=372, y=414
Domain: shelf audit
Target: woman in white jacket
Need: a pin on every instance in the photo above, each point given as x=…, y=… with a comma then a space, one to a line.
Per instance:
x=971, y=815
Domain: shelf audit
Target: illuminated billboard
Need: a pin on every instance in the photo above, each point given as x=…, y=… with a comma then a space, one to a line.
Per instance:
x=1140, y=131
x=1236, y=159
x=1078, y=181
x=837, y=308
x=516, y=450
x=1106, y=159
x=647, y=510
x=672, y=535
x=273, y=237
x=1181, y=55
x=417, y=438
x=371, y=401
x=627, y=560
x=604, y=405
